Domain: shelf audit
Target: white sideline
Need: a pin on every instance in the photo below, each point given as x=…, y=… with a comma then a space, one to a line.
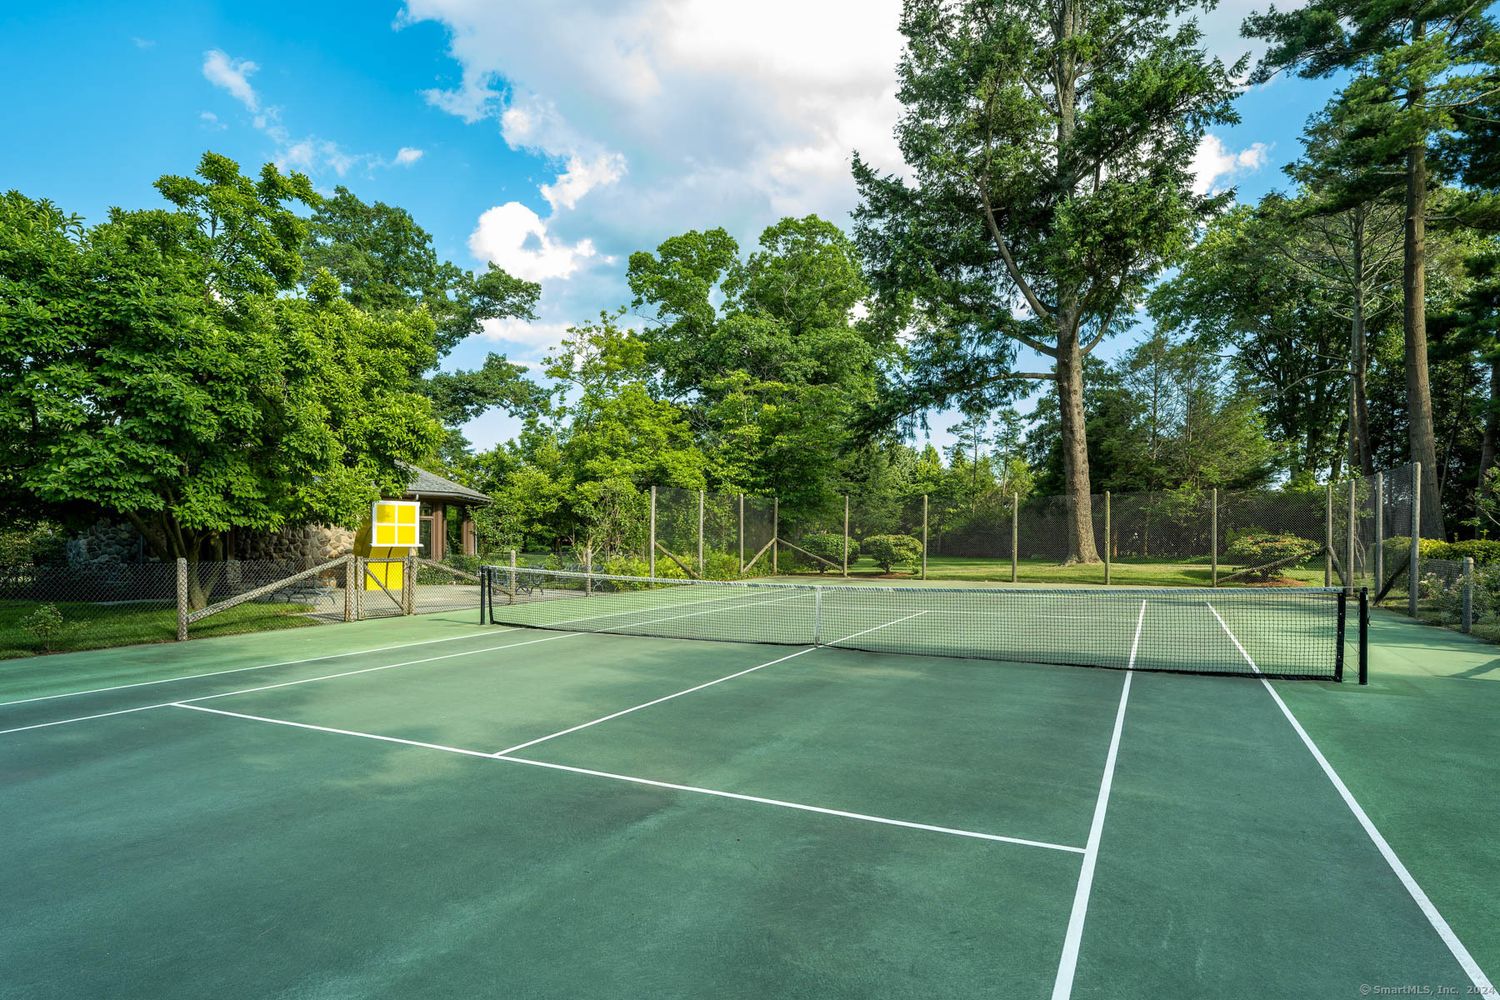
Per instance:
x=717, y=793
x=877, y=628
x=1481, y=982
x=256, y=666
x=1067, y=966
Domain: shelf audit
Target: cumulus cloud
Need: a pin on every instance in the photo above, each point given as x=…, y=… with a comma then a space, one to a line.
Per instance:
x=406, y=156
x=517, y=239
x=1216, y=166
x=232, y=75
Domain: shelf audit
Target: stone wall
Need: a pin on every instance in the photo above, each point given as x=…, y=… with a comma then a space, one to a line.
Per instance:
x=104, y=544
x=306, y=546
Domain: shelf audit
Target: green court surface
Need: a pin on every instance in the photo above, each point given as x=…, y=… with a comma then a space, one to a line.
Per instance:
x=429, y=807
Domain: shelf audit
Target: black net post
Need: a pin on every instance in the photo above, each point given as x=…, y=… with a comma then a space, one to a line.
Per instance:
x=1338, y=662
x=1364, y=635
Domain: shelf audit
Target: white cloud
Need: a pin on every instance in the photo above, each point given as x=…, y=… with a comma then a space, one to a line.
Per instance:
x=211, y=121
x=232, y=75
x=517, y=239
x=1216, y=166
x=406, y=156
x=522, y=339
x=581, y=177
x=142, y=43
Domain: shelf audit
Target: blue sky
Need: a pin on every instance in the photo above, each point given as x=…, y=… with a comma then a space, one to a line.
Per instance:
x=551, y=137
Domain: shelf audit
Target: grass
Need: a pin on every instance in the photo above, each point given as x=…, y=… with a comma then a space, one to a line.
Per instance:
x=1124, y=572
x=98, y=626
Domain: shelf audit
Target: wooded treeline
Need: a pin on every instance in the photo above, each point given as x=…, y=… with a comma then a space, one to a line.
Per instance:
x=257, y=355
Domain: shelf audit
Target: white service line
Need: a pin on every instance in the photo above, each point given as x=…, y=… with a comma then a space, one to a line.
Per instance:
x=1482, y=984
x=258, y=666
x=648, y=704
x=630, y=779
x=877, y=628
x=304, y=680
x=1067, y=966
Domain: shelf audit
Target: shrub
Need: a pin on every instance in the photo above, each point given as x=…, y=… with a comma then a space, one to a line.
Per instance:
x=721, y=566
x=827, y=545
x=1266, y=554
x=890, y=551
x=44, y=625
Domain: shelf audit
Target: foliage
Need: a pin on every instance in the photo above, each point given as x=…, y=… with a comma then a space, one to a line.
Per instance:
x=44, y=625
x=1484, y=551
x=39, y=544
x=830, y=547
x=890, y=551
x=1267, y=554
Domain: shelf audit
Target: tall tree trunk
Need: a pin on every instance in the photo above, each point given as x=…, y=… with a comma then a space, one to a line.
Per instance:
x=1491, y=421
x=1075, y=449
x=1359, y=410
x=1418, y=390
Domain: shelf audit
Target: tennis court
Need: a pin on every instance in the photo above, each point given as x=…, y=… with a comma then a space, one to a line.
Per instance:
x=598, y=793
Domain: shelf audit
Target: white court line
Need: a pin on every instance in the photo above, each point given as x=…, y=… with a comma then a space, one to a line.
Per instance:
x=717, y=793
x=648, y=704
x=268, y=687
x=1067, y=966
x=877, y=628
x=349, y=673
x=257, y=666
x=1482, y=984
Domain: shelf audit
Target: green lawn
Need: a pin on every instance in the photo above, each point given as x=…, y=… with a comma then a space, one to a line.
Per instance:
x=1125, y=572
x=98, y=626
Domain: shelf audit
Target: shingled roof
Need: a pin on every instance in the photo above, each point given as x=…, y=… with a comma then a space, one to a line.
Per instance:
x=425, y=485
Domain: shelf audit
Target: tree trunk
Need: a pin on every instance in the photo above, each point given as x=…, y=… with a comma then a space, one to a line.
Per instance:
x=1075, y=450
x=1491, y=421
x=1418, y=390
x=1359, y=410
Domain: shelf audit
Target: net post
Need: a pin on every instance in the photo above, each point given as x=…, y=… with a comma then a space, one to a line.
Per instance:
x=1108, y=538
x=775, y=535
x=1213, y=535
x=1015, y=536
x=1328, y=535
x=817, y=636
x=1364, y=635
x=700, y=534
x=1468, y=595
x=1338, y=654
x=1349, y=538
x=846, y=536
x=1414, y=563
x=651, y=542
x=924, y=536
x=742, y=534
x=182, y=599
x=1379, y=530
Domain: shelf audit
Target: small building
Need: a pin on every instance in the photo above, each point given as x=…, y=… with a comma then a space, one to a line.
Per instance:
x=447, y=514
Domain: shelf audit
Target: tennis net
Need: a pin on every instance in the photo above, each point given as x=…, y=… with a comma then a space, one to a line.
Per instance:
x=1290, y=633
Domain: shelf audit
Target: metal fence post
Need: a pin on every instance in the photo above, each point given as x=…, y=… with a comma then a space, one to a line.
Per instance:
x=182, y=599
x=1328, y=536
x=846, y=535
x=775, y=535
x=1349, y=538
x=1468, y=596
x=409, y=584
x=742, y=534
x=513, y=579
x=924, y=536
x=1108, y=538
x=651, y=543
x=349, y=584
x=700, y=533
x=1015, y=536
x=1213, y=532
x=1414, y=562
x=1379, y=580
x=360, y=569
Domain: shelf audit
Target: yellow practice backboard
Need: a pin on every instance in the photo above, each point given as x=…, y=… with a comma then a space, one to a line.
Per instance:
x=393, y=524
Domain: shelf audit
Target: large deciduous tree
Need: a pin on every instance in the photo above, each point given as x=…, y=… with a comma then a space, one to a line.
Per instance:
x=161, y=366
x=1416, y=61
x=1050, y=150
